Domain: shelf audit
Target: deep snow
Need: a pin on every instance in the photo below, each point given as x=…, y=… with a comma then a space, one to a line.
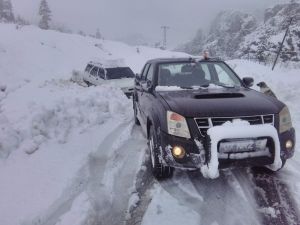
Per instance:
x=71, y=155
x=58, y=140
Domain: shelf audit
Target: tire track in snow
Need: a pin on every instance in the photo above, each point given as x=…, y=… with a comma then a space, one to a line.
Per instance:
x=274, y=199
x=226, y=200
x=144, y=185
x=79, y=184
x=110, y=183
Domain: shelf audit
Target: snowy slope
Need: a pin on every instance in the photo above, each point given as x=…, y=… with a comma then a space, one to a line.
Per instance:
x=263, y=43
x=57, y=139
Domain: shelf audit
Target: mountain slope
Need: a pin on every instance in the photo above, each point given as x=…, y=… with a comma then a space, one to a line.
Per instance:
x=264, y=42
x=238, y=35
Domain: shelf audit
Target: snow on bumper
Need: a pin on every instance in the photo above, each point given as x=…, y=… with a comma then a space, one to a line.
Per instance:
x=239, y=130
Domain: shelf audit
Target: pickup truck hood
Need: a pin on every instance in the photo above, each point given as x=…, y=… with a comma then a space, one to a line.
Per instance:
x=220, y=102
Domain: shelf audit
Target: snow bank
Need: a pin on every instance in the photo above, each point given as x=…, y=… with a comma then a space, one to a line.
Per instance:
x=238, y=129
x=60, y=109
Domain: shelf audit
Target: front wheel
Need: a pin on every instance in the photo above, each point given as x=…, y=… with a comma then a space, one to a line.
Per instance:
x=158, y=170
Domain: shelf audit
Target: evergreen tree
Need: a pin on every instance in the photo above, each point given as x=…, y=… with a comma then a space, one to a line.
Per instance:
x=6, y=11
x=45, y=14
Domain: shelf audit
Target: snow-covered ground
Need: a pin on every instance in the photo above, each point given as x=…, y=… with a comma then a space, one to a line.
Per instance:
x=71, y=155
x=63, y=145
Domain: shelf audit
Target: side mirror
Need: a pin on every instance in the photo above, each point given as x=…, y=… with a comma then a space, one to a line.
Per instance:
x=137, y=76
x=248, y=81
x=147, y=86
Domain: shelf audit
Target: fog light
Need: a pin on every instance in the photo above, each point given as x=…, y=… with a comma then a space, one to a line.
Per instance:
x=178, y=152
x=289, y=144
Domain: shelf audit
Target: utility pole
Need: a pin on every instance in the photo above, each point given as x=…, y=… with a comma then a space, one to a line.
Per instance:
x=165, y=29
x=281, y=45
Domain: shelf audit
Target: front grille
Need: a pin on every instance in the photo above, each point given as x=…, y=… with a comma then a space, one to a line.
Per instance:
x=205, y=123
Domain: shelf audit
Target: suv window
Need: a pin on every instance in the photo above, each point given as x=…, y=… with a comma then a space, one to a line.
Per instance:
x=88, y=68
x=94, y=71
x=150, y=73
x=119, y=73
x=101, y=73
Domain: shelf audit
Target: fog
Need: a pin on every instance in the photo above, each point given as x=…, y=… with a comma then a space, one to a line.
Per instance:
x=121, y=18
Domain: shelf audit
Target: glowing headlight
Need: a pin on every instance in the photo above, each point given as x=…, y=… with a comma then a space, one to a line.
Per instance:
x=178, y=152
x=177, y=125
x=285, y=121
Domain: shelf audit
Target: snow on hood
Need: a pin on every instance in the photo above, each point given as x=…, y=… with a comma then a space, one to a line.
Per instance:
x=177, y=88
x=168, y=88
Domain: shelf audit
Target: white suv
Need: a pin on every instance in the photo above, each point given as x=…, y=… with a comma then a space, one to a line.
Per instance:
x=98, y=74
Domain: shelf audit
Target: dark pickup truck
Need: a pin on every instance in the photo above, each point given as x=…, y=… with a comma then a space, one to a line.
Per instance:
x=179, y=101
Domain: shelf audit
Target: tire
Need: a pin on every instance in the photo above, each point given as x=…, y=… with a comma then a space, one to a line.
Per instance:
x=158, y=170
x=87, y=83
x=136, y=120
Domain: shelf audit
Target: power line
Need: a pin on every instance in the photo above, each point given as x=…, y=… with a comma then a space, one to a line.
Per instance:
x=281, y=45
x=165, y=29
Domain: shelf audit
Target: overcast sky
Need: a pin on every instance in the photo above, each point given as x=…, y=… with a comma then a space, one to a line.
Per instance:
x=121, y=18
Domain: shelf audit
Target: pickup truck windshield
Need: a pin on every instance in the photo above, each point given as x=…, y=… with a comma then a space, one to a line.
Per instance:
x=190, y=74
x=119, y=72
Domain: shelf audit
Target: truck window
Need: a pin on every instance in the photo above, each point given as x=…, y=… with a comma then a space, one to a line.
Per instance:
x=223, y=76
x=143, y=77
x=150, y=73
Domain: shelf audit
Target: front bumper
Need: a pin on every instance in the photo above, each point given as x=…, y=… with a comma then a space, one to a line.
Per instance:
x=198, y=152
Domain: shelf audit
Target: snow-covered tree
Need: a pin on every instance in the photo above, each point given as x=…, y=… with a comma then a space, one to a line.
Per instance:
x=45, y=13
x=98, y=34
x=81, y=33
x=6, y=11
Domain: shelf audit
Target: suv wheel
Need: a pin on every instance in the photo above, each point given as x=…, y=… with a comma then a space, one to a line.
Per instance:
x=87, y=83
x=158, y=170
x=136, y=120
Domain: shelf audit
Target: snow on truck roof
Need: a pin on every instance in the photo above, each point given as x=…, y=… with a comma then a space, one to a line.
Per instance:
x=108, y=63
